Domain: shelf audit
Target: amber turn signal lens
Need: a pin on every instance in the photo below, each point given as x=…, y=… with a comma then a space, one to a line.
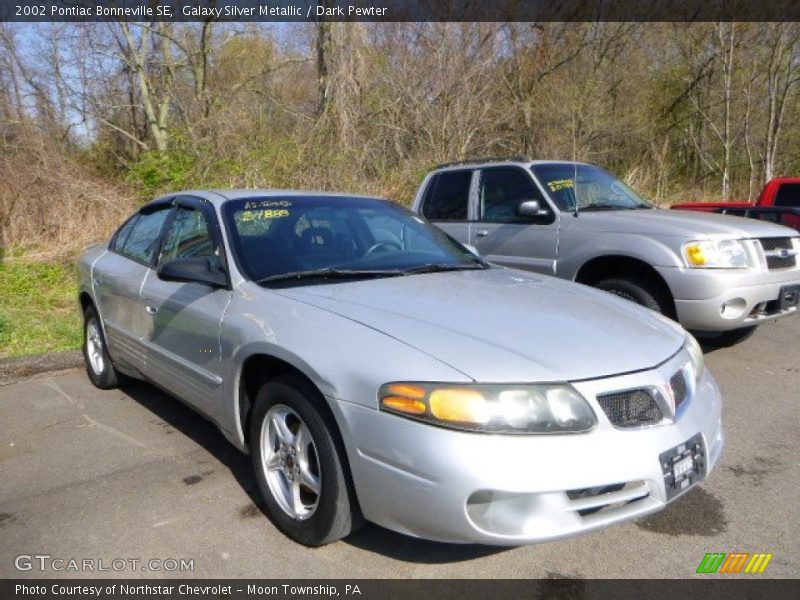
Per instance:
x=407, y=391
x=695, y=255
x=404, y=405
x=460, y=406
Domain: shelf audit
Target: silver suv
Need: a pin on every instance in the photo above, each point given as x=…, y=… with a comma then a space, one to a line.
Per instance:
x=719, y=276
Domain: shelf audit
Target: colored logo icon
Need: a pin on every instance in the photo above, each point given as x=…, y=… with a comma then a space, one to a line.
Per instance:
x=734, y=562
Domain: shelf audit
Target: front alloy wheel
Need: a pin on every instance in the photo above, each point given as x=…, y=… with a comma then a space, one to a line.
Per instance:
x=290, y=462
x=300, y=463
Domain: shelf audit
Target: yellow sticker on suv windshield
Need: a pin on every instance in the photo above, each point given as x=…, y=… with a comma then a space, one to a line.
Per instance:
x=560, y=184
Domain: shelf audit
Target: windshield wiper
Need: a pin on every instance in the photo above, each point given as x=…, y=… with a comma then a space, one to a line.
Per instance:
x=440, y=268
x=329, y=273
x=605, y=206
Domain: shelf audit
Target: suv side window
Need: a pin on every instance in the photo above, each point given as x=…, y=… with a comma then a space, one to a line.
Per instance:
x=188, y=236
x=142, y=241
x=502, y=190
x=447, y=196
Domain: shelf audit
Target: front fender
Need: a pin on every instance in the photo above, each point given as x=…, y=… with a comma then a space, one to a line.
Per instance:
x=345, y=360
x=578, y=248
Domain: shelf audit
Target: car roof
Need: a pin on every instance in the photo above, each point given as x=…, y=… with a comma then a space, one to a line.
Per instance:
x=477, y=164
x=219, y=197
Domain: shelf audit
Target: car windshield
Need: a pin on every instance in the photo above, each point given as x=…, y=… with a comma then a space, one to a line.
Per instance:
x=307, y=239
x=591, y=187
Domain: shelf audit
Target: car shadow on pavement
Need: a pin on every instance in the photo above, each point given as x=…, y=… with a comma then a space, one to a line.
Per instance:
x=371, y=538
x=409, y=549
x=185, y=420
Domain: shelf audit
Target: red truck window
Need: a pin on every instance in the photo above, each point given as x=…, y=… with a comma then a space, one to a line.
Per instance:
x=788, y=195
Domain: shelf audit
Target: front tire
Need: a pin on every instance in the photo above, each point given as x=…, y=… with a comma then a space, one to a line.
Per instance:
x=640, y=291
x=99, y=367
x=299, y=466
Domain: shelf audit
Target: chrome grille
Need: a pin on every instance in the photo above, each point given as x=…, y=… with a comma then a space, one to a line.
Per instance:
x=632, y=408
x=772, y=250
x=679, y=389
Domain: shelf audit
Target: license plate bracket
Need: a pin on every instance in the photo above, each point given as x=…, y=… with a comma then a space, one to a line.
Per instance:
x=683, y=466
x=789, y=296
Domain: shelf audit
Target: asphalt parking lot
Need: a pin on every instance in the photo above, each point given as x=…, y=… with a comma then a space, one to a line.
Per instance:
x=135, y=474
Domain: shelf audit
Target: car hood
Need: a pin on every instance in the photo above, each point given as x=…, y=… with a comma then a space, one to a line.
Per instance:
x=674, y=222
x=500, y=325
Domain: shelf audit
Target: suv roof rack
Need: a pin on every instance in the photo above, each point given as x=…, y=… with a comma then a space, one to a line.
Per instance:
x=473, y=161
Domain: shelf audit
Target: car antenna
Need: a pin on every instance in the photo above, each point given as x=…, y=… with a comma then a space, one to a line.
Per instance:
x=575, y=180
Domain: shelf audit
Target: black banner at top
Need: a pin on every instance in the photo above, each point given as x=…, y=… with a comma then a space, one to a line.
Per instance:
x=397, y=10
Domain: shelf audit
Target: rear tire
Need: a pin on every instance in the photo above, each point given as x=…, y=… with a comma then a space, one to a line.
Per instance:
x=640, y=291
x=99, y=367
x=299, y=466
x=727, y=339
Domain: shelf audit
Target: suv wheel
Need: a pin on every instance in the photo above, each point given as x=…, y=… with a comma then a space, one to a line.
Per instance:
x=638, y=291
x=299, y=466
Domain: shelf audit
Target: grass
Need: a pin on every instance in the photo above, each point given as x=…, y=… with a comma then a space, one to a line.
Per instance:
x=38, y=308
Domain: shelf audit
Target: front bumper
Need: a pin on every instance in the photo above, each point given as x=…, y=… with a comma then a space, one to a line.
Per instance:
x=721, y=300
x=453, y=486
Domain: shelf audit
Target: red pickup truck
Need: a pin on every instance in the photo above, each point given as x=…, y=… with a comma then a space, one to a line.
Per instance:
x=779, y=202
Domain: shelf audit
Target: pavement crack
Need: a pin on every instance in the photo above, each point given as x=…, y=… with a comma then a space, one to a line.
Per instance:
x=107, y=428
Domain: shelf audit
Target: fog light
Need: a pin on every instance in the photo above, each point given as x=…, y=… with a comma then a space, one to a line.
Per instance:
x=731, y=309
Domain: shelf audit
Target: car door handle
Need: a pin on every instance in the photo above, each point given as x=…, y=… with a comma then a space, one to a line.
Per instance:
x=98, y=281
x=151, y=310
x=482, y=232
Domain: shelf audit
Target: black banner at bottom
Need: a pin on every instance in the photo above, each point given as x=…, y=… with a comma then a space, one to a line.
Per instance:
x=717, y=587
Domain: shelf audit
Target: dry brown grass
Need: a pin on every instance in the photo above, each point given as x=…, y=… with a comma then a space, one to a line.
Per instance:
x=51, y=206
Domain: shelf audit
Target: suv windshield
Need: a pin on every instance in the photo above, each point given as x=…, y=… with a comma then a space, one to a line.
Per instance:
x=591, y=187
x=299, y=239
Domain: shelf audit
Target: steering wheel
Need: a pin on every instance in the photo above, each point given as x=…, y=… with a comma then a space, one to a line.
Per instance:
x=382, y=244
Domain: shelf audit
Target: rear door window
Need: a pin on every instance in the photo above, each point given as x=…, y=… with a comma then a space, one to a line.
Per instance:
x=447, y=196
x=122, y=234
x=142, y=242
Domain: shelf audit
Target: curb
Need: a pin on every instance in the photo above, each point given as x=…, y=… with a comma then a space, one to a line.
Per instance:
x=14, y=369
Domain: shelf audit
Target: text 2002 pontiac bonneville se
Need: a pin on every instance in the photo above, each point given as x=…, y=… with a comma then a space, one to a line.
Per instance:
x=374, y=367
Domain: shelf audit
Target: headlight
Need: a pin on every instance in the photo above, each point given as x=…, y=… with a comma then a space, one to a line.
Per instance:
x=695, y=356
x=539, y=408
x=716, y=254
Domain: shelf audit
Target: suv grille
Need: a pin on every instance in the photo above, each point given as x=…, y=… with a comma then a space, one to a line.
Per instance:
x=679, y=389
x=776, y=243
x=633, y=408
x=772, y=248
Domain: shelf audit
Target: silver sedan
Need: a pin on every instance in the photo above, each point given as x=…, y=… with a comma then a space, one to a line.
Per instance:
x=376, y=369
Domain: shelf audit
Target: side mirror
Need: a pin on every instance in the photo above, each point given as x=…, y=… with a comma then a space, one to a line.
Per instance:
x=531, y=209
x=195, y=269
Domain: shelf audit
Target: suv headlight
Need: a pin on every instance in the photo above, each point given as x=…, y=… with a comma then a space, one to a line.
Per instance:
x=716, y=254
x=527, y=408
x=695, y=356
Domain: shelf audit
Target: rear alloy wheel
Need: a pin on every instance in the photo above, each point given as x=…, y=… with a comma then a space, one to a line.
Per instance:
x=99, y=367
x=639, y=291
x=298, y=465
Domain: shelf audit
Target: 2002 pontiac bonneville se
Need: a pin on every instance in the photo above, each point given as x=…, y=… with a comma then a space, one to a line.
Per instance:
x=375, y=368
